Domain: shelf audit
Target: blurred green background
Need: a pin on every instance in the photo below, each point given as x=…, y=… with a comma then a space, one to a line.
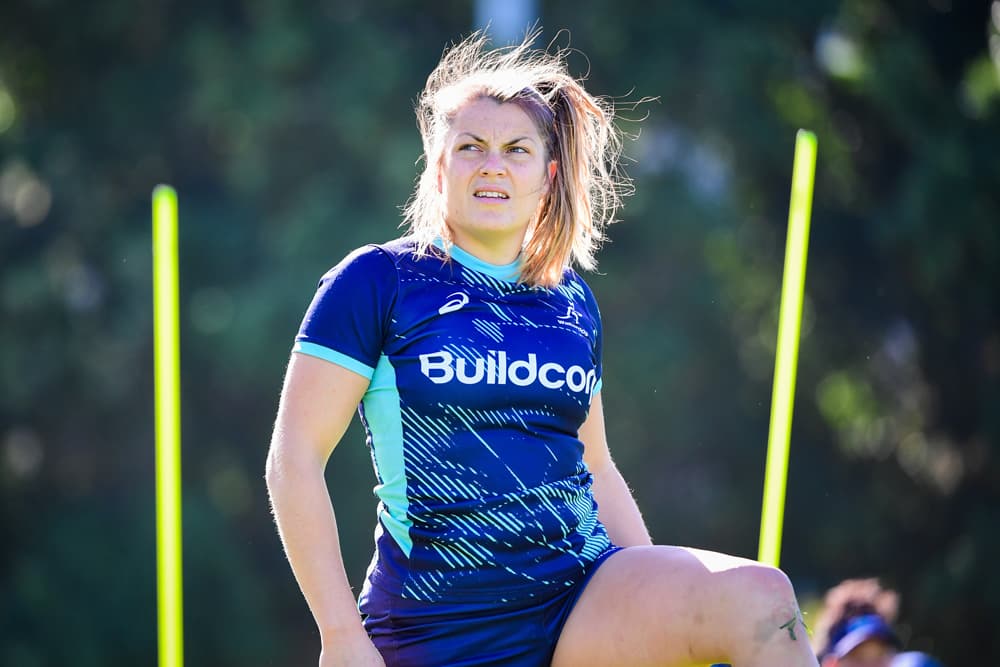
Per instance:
x=287, y=129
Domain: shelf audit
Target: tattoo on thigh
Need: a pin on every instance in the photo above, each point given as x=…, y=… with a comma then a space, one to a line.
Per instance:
x=794, y=621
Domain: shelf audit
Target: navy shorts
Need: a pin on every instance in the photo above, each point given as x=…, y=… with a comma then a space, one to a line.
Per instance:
x=412, y=633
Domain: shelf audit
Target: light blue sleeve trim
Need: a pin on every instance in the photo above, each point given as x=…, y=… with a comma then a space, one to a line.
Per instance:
x=598, y=386
x=350, y=363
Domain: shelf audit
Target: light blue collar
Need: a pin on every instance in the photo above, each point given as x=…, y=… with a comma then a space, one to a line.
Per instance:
x=506, y=272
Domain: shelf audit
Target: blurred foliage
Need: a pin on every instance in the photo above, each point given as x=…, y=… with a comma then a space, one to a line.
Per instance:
x=287, y=129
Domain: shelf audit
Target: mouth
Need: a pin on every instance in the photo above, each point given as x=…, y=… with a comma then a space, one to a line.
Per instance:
x=491, y=195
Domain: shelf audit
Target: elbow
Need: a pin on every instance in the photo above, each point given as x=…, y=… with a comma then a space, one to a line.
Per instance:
x=274, y=465
x=285, y=461
x=271, y=468
x=601, y=466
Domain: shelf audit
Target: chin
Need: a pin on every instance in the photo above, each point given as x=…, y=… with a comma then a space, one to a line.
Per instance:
x=493, y=227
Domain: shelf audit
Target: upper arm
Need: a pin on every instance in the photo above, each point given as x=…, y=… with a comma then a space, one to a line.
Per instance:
x=318, y=401
x=595, y=441
x=336, y=349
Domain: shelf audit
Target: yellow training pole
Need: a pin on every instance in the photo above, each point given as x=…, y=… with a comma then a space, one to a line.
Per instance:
x=789, y=326
x=166, y=339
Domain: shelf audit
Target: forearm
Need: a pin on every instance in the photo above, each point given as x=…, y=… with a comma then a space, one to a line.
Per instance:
x=308, y=528
x=618, y=510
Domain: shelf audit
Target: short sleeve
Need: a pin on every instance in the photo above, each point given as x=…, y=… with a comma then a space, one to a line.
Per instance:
x=347, y=320
x=595, y=316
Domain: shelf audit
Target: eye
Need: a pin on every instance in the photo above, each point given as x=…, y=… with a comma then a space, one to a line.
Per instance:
x=517, y=149
x=469, y=147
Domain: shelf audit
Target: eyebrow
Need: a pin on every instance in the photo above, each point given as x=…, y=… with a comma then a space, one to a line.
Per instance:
x=508, y=143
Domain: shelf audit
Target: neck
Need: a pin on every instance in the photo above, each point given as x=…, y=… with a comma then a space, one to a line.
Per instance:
x=499, y=250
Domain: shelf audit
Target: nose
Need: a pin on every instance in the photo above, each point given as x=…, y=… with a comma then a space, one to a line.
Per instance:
x=493, y=164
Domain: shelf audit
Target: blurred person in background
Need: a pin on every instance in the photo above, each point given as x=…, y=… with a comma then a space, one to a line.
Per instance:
x=855, y=628
x=472, y=350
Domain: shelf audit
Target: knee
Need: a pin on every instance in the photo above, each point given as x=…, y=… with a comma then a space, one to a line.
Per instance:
x=770, y=580
x=764, y=616
x=767, y=589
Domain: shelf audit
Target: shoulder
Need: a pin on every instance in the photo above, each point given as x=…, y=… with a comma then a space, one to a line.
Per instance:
x=570, y=275
x=397, y=251
x=400, y=248
x=373, y=260
x=576, y=283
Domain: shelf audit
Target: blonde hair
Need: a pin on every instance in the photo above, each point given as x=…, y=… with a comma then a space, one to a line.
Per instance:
x=579, y=134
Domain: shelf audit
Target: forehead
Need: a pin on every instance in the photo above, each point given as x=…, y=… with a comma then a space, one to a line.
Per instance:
x=488, y=119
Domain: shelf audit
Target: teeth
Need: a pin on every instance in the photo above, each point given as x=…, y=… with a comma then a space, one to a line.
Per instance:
x=491, y=194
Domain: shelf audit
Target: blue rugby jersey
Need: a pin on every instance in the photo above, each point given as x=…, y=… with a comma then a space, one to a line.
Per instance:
x=478, y=387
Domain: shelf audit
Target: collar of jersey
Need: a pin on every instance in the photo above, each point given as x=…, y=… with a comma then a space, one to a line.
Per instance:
x=508, y=273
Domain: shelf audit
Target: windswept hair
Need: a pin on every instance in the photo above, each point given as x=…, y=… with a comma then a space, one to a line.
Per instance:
x=579, y=134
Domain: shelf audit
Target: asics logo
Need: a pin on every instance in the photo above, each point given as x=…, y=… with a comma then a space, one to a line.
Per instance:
x=442, y=367
x=455, y=301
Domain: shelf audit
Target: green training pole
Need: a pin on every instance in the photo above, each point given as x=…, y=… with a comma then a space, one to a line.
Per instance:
x=789, y=328
x=166, y=339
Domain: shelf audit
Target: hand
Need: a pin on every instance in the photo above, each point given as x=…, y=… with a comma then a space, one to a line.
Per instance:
x=356, y=653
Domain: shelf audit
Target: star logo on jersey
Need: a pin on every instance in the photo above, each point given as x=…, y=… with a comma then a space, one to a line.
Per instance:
x=455, y=302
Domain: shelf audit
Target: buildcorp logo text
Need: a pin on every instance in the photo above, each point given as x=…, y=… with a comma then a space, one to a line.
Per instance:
x=441, y=367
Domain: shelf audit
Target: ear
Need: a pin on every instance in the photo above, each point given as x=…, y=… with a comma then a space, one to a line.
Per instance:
x=553, y=165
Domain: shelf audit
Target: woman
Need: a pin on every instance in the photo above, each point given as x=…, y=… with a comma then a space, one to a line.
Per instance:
x=474, y=351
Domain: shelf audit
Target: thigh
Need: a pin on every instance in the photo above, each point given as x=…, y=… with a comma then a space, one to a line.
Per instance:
x=656, y=605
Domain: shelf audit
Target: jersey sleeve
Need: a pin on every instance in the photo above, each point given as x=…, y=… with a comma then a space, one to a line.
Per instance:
x=598, y=349
x=347, y=320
